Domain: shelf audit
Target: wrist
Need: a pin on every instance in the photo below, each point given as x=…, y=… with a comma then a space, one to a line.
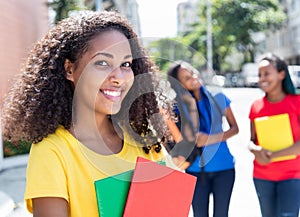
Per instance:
x=253, y=147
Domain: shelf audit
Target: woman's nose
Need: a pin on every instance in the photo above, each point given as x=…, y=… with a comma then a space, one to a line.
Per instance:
x=116, y=76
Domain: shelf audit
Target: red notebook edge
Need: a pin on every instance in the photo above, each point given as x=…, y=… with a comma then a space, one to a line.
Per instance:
x=158, y=190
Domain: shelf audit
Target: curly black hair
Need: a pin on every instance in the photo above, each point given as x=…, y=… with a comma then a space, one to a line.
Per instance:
x=41, y=99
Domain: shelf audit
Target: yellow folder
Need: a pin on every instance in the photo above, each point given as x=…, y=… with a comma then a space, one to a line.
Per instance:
x=275, y=133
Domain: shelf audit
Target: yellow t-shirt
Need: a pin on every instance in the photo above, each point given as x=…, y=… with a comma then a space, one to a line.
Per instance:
x=60, y=166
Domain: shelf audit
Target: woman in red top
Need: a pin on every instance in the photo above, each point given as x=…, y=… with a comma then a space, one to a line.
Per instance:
x=277, y=183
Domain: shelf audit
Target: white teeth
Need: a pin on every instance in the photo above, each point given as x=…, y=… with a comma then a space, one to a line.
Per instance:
x=264, y=84
x=112, y=93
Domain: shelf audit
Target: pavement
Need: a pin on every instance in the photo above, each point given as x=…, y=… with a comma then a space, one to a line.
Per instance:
x=12, y=186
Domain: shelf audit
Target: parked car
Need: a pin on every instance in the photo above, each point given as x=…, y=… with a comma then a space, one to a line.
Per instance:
x=250, y=74
x=234, y=80
x=218, y=80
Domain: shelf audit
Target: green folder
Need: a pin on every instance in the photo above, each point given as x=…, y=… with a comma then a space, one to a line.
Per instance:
x=111, y=193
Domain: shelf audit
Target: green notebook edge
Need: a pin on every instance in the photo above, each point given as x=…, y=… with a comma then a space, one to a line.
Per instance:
x=111, y=194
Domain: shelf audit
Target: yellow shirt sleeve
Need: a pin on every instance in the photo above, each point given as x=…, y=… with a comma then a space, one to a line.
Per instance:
x=45, y=173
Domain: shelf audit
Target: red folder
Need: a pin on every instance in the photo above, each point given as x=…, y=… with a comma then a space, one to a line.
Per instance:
x=158, y=190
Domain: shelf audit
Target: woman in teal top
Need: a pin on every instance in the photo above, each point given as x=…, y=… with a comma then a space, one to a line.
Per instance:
x=211, y=160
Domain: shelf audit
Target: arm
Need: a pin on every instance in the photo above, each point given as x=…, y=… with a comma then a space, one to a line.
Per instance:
x=179, y=161
x=174, y=130
x=49, y=207
x=205, y=139
x=291, y=150
x=261, y=155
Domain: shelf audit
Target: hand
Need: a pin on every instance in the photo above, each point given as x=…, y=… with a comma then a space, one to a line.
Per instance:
x=181, y=162
x=202, y=139
x=262, y=156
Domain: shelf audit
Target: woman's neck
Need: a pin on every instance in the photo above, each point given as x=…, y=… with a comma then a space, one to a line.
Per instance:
x=98, y=134
x=197, y=94
x=275, y=97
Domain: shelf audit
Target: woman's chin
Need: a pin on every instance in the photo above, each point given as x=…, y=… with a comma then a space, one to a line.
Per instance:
x=115, y=109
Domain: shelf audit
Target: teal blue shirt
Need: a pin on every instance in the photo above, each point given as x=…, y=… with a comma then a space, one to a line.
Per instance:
x=217, y=157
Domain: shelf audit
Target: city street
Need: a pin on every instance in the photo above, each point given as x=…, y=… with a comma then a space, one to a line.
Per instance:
x=244, y=202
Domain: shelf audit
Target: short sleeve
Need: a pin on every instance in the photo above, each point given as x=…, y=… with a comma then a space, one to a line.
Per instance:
x=45, y=175
x=223, y=101
x=250, y=116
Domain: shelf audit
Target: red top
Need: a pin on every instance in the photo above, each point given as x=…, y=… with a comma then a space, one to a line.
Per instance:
x=280, y=170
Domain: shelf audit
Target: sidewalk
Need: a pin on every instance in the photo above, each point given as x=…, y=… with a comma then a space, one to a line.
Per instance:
x=12, y=187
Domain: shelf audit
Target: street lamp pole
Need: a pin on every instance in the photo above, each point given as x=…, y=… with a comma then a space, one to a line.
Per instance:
x=209, y=37
x=98, y=5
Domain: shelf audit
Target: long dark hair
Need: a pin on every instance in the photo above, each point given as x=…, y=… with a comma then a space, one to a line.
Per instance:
x=186, y=123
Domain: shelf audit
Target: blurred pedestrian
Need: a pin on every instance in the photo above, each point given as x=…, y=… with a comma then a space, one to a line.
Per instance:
x=277, y=183
x=86, y=100
x=201, y=123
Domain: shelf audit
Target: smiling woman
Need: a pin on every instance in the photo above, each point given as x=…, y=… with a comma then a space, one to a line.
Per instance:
x=88, y=102
x=276, y=180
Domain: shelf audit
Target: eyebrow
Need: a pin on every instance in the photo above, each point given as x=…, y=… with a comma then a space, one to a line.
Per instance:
x=110, y=56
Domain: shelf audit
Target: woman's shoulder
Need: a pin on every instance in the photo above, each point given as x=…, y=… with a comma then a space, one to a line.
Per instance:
x=258, y=101
x=61, y=133
x=59, y=139
x=220, y=95
x=256, y=106
x=222, y=99
x=293, y=96
x=292, y=100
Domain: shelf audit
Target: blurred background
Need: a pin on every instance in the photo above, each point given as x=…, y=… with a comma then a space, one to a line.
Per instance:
x=223, y=39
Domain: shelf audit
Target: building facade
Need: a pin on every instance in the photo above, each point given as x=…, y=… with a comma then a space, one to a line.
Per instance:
x=129, y=8
x=186, y=16
x=286, y=40
x=22, y=22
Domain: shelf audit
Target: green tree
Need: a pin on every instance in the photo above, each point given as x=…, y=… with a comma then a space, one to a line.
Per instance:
x=167, y=50
x=62, y=8
x=234, y=22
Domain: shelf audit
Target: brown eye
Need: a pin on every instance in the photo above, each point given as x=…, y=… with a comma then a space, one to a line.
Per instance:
x=101, y=63
x=126, y=65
